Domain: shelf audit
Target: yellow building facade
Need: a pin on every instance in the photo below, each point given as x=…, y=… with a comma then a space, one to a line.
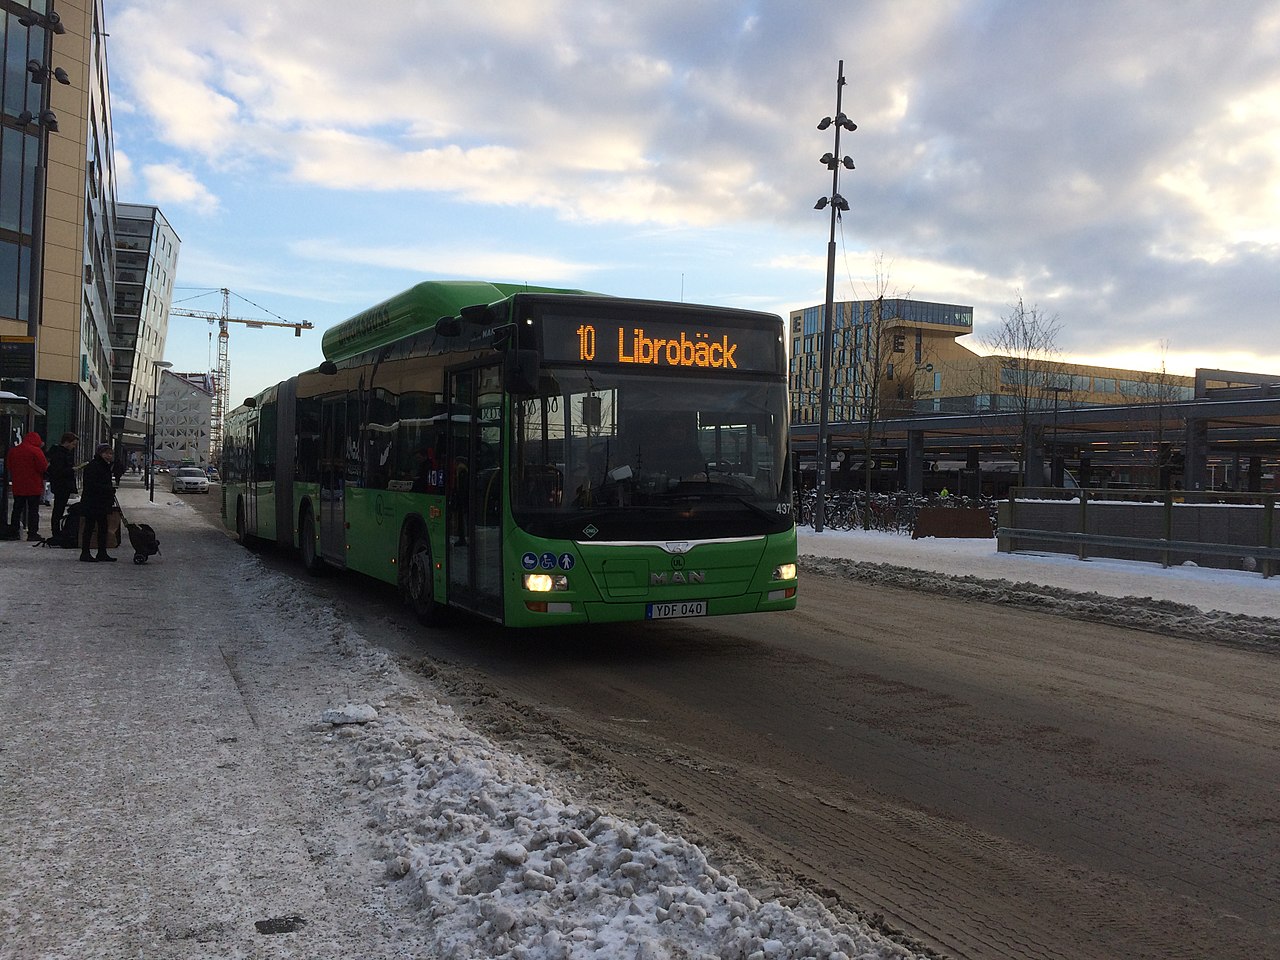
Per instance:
x=895, y=358
x=57, y=237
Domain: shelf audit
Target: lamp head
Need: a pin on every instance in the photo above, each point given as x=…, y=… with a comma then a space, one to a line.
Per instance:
x=821, y=204
x=824, y=123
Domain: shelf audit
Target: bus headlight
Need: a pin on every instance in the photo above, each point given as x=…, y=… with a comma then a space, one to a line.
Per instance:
x=784, y=571
x=545, y=582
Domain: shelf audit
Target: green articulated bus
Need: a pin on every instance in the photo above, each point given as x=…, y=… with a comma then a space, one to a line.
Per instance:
x=532, y=455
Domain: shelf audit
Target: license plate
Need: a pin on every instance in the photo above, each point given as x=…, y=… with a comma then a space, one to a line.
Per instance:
x=671, y=611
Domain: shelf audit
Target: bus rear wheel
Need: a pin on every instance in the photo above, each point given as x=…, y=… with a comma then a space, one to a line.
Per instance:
x=311, y=560
x=417, y=583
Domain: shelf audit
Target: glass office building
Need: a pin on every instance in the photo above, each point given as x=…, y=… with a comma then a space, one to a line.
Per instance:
x=57, y=208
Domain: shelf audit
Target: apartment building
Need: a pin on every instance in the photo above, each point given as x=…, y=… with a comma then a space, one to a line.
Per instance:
x=146, y=264
x=64, y=348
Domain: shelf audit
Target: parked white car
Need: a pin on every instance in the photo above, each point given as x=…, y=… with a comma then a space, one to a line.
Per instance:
x=190, y=480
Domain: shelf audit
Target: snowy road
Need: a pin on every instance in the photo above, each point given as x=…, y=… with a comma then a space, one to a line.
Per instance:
x=997, y=782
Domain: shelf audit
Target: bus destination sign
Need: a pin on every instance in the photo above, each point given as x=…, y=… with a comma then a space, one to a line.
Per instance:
x=662, y=344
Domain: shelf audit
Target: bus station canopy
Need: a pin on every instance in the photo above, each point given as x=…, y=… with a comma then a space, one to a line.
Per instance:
x=1249, y=427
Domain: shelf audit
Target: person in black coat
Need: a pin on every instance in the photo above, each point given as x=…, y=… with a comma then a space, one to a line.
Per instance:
x=96, y=502
x=62, y=478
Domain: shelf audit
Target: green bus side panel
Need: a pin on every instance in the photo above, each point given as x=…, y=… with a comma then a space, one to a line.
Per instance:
x=416, y=309
x=376, y=518
x=265, y=526
x=614, y=583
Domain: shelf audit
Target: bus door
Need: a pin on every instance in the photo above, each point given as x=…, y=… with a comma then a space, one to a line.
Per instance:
x=333, y=471
x=473, y=556
x=250, y=454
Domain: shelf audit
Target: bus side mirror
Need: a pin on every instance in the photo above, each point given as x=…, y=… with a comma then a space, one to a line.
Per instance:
x=480, y=314
x=521, y=372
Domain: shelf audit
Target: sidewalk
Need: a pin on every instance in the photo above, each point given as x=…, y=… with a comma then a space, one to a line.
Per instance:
x=153, y=788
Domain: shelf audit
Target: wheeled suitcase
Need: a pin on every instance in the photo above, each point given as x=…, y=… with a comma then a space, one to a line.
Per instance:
x=142, y=538
x=144, y=541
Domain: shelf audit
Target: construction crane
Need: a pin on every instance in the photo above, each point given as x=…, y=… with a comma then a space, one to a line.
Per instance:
x=222, y=380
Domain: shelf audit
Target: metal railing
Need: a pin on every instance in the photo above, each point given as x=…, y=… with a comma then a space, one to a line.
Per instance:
x=1168, y=501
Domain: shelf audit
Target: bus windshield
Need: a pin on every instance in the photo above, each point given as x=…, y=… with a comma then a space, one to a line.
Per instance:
x=607, y=455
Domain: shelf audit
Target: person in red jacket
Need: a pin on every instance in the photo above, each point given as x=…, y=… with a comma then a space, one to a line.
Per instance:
x=27, y=465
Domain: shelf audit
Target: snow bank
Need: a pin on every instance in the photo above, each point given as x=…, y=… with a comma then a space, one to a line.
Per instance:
x=503, y=863
x=508, y=868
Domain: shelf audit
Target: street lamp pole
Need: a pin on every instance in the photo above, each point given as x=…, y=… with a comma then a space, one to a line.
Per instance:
x=833, y=162
x=1055, y=464
x=156, y=367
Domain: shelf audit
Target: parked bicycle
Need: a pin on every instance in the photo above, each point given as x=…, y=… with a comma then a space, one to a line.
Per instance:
x=884, y=512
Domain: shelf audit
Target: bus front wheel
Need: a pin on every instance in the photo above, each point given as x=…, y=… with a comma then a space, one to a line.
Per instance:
x=417, y=584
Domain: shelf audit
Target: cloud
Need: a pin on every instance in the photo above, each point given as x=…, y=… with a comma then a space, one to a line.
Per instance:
x=167, y=184
x=449, y=261
x=505, y=109
x=1121, y=169
x=126, y=181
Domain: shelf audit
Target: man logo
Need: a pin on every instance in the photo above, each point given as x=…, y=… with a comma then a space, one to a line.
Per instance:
x=677, y=576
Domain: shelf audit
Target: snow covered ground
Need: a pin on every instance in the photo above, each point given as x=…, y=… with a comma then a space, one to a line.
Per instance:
x=200, y=761
x=1225, y=590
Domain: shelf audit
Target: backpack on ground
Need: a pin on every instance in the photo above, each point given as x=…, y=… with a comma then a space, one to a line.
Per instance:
x=68, y=535
x=66, y=538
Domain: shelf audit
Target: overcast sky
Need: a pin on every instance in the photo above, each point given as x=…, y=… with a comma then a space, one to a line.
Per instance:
x=1115, y=163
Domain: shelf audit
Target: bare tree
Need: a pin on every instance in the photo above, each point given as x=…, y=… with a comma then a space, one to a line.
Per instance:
x=882, y=361
x=1159, y=388
x=880, y=346
x=1031, y=374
